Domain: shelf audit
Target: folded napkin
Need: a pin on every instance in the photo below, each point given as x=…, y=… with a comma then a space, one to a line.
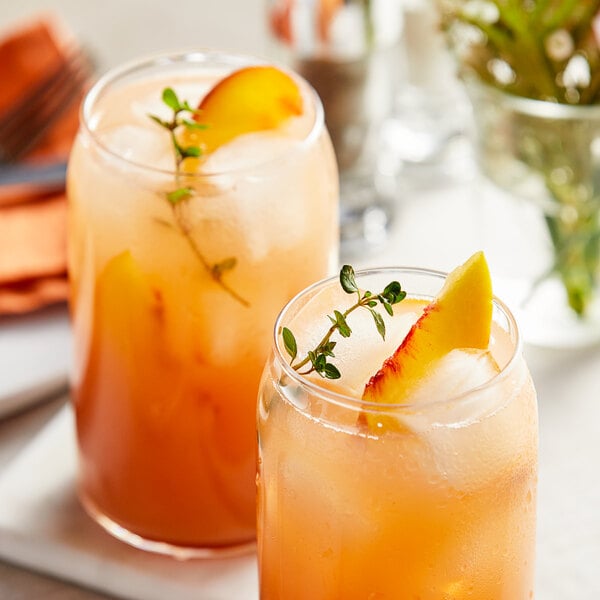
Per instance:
x=32, y=226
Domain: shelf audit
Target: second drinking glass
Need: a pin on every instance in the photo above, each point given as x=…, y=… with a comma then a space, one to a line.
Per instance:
x=431, y=497
x=189, y=229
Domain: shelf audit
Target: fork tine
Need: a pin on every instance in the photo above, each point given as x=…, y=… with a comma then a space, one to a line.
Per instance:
x=27, y=122
x=45, y=88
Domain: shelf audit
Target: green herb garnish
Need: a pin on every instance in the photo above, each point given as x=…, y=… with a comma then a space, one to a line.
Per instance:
x=317, y=359
x=182, y=111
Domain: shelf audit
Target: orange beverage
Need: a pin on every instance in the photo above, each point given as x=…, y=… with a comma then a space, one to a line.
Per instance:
x=179, y=265
x=432, y=498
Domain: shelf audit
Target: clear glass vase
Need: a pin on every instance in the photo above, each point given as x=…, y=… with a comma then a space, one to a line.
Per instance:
x=541, y=211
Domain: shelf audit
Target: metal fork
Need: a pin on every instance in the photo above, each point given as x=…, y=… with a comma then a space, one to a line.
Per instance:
x=23, y=126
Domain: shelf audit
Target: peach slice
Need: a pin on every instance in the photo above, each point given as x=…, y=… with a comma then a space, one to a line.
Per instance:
x=459, y=317
x=130, y=312
x=255, y=98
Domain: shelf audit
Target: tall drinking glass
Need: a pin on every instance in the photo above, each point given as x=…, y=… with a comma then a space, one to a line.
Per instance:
x=433, y=499
x=176, y=281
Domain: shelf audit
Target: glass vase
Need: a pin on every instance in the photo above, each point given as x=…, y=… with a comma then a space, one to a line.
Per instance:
x=541, y=211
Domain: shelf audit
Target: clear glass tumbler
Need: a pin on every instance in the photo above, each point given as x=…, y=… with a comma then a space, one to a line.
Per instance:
x=173, y=299
x=434, y=499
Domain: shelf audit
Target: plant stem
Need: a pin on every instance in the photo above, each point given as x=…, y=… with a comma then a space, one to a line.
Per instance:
x=327, y=336
x=178, y=157
x=214, y=273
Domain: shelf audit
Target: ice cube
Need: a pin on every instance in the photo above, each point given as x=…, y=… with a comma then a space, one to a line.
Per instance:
x=456, y=373
x=248, y=151
x=484, y=434
x=146, y=146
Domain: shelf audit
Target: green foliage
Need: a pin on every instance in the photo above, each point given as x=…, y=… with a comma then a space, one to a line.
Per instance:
x=540, y=49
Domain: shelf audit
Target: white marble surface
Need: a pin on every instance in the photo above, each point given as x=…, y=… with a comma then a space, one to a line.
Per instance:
x=35, y=357
x=43, y=527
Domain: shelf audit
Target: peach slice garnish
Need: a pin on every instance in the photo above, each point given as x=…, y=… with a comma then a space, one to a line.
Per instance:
x=251, y=99
x=459, y=317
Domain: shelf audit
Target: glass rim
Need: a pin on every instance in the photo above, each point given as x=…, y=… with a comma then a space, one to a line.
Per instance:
x=354, y=403
x=190, y=56
x=548, y=109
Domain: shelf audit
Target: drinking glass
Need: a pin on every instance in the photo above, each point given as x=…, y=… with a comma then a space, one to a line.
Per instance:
x=350, y=52
x=173, y=301
x=430, y=500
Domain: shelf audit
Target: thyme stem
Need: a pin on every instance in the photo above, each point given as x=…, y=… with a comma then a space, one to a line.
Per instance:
x=183, y=193
x=318, y=358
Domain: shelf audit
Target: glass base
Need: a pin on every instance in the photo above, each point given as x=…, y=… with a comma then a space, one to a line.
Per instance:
x=514, y=234
x=424, y=124
x=544, y=317
x=156, y=547
x=366, y=214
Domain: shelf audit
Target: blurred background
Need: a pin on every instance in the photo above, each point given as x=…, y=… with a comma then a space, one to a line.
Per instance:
x=117, y=30
x=442, y=213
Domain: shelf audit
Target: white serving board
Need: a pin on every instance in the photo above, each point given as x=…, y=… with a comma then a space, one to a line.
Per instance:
x=43, y=528
x=35, y=357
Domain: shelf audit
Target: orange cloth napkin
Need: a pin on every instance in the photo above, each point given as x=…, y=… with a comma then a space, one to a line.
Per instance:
x=33, y=264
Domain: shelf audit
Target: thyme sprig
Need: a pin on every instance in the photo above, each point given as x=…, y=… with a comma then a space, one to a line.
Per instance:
x=182, y=117
x=317, y=359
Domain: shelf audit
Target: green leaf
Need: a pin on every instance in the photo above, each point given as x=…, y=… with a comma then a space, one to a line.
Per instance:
x=186, y=106
x=378, y=322
x=180, y=194
x=393, y=292
x=225, y=265
x=331, y=371
x=347, y=280
x=289, y=341
x=320, y=363
x=169, y=97
x=193, y=124
x=342, y=324
x=327, y=348
x=388, y=308
x=190, y=151
x=160, y=121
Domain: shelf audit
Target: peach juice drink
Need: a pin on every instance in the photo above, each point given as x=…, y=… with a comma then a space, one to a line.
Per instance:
x=203, y=195
x=403, y=483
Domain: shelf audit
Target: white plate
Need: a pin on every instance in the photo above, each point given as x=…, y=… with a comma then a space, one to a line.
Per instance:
x=35, y=357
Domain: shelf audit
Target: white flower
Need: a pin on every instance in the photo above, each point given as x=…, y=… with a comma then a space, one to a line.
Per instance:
x=481, y=10
x=577, y=72
x=503, y=73
x=559, y=44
